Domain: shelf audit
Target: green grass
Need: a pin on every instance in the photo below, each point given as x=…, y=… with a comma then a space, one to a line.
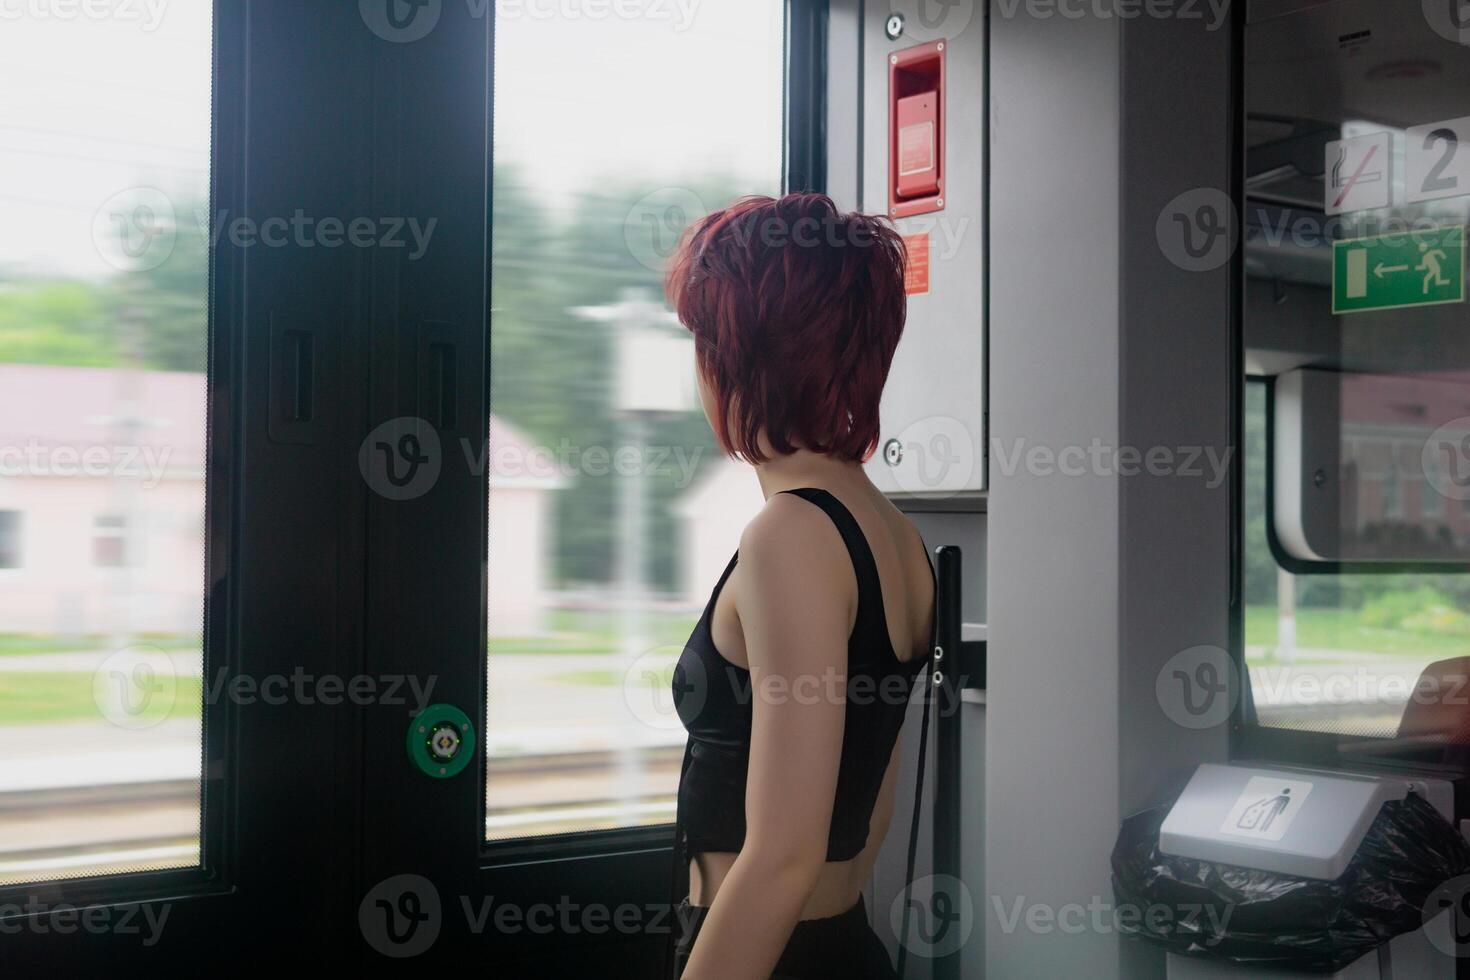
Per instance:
x=36, y=698
x=1342, y=629
x=575, y=631
x=590, y=678
x=568, y=631
x=53, y=697
x=612, y=677
x=15, y=644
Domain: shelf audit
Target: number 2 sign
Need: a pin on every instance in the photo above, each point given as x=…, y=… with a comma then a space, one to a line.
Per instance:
x=1438, y=162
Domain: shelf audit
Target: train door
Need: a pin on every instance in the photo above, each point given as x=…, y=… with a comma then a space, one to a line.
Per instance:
x=544, y=501
x=363, y=501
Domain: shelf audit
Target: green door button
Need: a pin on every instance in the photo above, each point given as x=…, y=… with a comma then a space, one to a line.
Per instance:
x=444, y=742
x=441, y=741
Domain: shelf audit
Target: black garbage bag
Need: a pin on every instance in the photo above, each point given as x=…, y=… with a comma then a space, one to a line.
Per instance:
x=1266, y=919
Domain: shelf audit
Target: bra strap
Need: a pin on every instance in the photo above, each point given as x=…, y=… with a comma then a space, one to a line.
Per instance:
x=870, y=588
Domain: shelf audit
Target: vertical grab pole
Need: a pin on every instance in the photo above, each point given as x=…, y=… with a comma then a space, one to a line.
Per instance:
x=947, y=742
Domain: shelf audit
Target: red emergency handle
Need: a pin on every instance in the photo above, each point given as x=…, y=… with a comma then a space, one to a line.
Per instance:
x=916, y=130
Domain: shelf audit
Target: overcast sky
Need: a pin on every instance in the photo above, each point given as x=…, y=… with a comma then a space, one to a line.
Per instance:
x=94, y=107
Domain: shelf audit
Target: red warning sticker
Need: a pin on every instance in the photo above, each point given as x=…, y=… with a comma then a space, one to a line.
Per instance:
x=916, y=272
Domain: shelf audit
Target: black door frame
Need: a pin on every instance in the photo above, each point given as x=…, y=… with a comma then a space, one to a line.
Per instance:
x=282, y=538
x=592, y=902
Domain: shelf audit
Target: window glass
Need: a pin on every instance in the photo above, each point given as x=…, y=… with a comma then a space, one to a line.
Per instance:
x=110, y=542
x=104, y=143
x=1357, y=615
x=9, y=539
x=1339, y=653
x=608, y=517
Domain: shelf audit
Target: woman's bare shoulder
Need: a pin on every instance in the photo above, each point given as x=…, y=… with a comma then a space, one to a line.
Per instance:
x=789, y=528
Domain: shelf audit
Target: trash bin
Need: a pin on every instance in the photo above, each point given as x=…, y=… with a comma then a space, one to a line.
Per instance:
x=1291, y=870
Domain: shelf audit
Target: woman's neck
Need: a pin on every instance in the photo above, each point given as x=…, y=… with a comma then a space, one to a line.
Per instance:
x=804, y=468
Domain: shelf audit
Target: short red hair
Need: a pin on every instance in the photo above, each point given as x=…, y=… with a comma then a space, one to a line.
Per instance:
x=796, y=309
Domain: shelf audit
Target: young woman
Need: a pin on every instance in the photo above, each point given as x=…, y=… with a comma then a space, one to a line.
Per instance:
x=795, y=682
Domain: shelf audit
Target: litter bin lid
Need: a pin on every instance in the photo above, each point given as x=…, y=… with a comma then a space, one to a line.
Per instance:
x=1292, y=822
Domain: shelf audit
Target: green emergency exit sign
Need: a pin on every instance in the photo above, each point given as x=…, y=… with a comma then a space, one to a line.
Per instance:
x=1388, y=272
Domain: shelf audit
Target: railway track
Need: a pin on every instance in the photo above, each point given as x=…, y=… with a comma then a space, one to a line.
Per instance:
x=570, y=788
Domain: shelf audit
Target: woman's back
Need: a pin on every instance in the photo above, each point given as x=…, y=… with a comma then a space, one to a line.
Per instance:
x=859, y=547
x=904, y=572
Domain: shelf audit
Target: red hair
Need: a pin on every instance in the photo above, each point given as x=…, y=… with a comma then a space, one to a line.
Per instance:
x=796, y=309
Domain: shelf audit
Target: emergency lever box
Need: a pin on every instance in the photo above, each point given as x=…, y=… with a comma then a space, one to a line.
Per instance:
x=916, y=130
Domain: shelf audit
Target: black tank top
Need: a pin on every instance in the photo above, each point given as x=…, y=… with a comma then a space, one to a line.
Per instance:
x=713, y=699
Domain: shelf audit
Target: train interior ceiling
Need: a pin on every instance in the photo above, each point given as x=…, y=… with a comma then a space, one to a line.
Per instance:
x=357, y=499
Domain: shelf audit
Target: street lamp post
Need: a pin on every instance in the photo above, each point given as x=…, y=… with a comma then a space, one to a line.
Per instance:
x=653, y=379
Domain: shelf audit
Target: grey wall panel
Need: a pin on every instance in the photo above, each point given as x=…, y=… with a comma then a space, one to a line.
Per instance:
x=884, y=891
x=1096, y=579
x=972, y=847
x=1052, y=719
x=1176, y=381
x=967, y=531
x=934, y=404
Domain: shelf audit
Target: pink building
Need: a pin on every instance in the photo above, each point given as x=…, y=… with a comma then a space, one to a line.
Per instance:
x=102, y=504
x=1403, y=441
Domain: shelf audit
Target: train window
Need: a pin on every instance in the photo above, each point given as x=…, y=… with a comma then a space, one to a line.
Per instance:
x=1356, y=427
x=105, y=139
x=601, y=542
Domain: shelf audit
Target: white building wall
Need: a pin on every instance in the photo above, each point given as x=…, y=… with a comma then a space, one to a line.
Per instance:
x=714, y=515
x=60, y=590
x=519, y=526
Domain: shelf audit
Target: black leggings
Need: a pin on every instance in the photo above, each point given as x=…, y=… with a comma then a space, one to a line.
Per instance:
x=842, y=946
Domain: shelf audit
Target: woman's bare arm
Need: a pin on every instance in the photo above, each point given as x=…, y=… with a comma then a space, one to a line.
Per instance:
x=796, y=604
